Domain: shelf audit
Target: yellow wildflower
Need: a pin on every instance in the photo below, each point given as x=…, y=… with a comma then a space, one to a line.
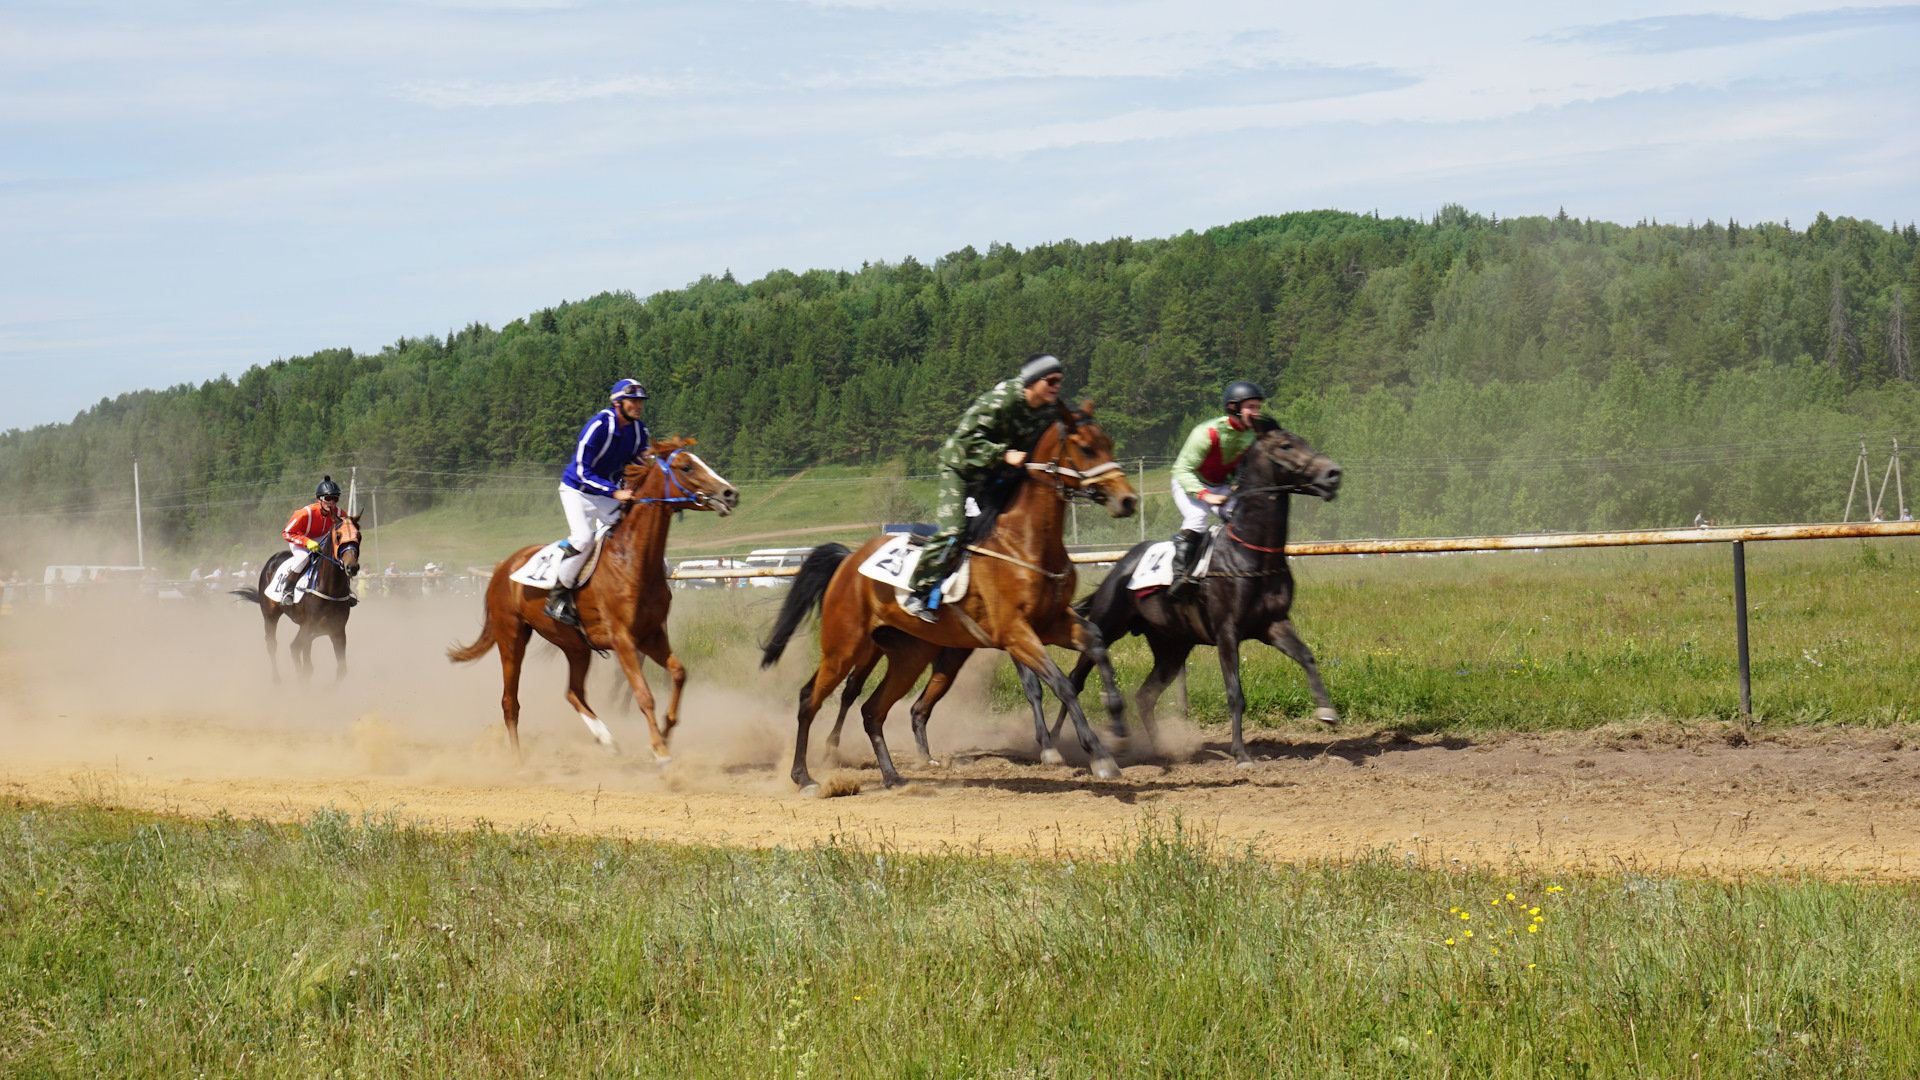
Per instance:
x=1533, y=929
x=1509, y=896
x=1449, y=941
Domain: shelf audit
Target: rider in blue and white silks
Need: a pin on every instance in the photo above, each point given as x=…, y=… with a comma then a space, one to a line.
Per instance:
x=590, y=491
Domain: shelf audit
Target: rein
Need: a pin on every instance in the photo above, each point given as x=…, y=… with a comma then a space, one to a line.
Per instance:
x=696, y=498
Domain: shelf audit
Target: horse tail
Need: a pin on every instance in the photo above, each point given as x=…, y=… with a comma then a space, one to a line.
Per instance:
x=249, y=594
x=480, y=648
x=1112, y=598
x=809, y=588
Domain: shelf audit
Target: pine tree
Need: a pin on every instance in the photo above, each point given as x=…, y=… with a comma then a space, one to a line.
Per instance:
x=1843, y=349
x=1899, y=347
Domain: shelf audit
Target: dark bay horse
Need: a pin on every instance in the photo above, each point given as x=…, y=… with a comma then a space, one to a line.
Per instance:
x=323, y=611
x=1247, y=594
x=624, y=605
x=1019, y=598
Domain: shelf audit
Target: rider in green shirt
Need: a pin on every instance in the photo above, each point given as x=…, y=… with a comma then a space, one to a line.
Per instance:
x=997, y=430
x=1202, y=472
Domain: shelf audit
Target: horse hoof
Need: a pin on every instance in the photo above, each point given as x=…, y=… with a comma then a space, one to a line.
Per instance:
x=1327, y=715
x=1246, y=763
x=610, y=748
x=1105, y=769
x=934, y=763
x=1050, y=756
x=663, y=760
x=810, y=790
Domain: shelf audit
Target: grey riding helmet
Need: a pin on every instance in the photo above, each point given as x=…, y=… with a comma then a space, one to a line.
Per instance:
x=1238, y=392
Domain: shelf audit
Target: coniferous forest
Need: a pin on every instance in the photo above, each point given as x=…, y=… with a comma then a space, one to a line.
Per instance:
x=1471, y=373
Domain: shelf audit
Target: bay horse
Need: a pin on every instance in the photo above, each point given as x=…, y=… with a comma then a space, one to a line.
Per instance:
x=323, y=611
x=623, y=607
x=1246, y=595
x=1019, y=598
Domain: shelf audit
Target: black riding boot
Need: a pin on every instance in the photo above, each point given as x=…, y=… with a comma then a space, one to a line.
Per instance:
x=560, y=606
x=1186, y=545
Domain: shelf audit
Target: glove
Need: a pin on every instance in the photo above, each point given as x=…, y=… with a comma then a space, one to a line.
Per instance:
x=312, y=544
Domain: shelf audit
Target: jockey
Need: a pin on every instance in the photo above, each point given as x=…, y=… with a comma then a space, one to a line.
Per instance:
x=1205, y=465
x=1010, y=415
x=305, y=531
x=590, y=491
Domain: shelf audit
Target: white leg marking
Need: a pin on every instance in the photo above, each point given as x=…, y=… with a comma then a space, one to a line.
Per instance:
x=600, y=732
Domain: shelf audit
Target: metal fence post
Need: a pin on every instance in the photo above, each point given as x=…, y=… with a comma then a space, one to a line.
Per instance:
x=1740, y=627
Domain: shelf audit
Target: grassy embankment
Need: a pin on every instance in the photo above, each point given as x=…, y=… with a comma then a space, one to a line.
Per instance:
x=150, y=947
x=1531, y=641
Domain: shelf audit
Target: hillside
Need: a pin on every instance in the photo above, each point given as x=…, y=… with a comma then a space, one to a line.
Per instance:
x=1472, y=373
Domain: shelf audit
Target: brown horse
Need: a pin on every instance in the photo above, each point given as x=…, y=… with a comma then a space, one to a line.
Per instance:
x=323, y=611
x=1022, y=585
x=624, y=605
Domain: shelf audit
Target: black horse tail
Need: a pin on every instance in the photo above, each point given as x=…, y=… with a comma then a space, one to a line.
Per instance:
x=249, y=594
x=1110, y=606
x=809, y=588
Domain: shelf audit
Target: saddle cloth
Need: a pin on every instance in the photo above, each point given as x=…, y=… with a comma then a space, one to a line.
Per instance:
x=300, y=586
x=1155, y=568
x=893, y=564
x=542, y=570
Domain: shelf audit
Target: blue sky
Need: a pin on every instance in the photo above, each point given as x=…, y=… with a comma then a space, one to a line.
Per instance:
x=188, y=189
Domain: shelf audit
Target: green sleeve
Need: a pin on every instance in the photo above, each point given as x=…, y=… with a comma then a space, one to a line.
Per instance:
x=976, y=441
x=1187, y=465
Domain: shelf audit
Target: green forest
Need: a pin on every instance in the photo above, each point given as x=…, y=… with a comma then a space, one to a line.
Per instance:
x=1471, y=374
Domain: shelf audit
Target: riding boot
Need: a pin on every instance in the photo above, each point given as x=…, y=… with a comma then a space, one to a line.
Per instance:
x=560, y=607
x=1186, y=545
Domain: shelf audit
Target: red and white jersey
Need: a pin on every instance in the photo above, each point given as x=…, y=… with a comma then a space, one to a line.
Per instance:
x=311, y=522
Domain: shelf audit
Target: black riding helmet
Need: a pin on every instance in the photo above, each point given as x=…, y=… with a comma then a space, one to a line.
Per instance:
x=1239, y=392
x=327, y=487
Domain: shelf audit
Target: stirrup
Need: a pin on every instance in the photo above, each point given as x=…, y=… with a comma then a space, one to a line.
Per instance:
x=560, y=606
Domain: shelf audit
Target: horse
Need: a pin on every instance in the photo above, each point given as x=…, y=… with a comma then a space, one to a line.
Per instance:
x=1018, y=600
x=1246, y=594
x=323, y=611
x=623, y=607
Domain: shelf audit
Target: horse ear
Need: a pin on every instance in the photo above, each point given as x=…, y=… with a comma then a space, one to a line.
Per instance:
x=1086, y=408
x=1263, y=424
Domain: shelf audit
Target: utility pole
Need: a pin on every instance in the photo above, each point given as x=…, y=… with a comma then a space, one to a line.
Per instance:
x=1142, y=486
x=139, y=526
x=1859, y=470
x=375, y=496
x=353, y=490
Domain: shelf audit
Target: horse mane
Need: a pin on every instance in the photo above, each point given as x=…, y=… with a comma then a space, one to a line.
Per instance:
x=1266, y=426
x=660, y=446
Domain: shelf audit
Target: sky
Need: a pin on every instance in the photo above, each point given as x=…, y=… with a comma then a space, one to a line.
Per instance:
x=190, y=189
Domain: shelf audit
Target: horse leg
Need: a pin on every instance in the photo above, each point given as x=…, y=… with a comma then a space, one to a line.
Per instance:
x=302, y=650
x=1168, y=658
x=579, y=661
x=848, y=696
x=1026, y=650
x=946, y=666
x=339, y=638
x=660, y=650
x=904, y=666
x=1229, y=649
x=513, y=652
x=1281, y=636
x=628, y=653
x=272, y=618
x=1091, y=644
x=835, y=663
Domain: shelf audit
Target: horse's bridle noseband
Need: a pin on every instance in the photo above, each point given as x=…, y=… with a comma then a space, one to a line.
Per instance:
x=1104, y=473
x=697, y=498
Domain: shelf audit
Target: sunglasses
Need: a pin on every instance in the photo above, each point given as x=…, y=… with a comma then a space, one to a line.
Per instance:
x=330, y=498
x=1054, y=380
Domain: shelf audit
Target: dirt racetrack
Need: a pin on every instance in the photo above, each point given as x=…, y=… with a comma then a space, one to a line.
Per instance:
x=171, y=708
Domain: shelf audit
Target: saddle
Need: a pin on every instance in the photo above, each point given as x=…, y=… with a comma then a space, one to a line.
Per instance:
x=542, y=570
x=1155, y=568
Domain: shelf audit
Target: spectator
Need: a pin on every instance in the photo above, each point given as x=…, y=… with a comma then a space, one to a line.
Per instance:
x=193, y=574
x=1700, y=520
x=1906, y=514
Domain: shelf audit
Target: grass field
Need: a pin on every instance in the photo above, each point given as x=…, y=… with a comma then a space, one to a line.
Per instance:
x=137, y=947
x=1533, y=641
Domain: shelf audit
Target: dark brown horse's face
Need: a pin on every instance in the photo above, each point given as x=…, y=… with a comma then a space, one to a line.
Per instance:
x=1292, y=463
x=1085, y=456
x=689, y=476
x=346, y=543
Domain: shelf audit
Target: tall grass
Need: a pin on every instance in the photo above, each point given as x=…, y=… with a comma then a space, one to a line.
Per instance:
x=133, y=946
x=1574, y=638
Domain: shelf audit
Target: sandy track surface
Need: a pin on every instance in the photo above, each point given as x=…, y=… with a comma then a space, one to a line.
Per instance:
x=184, y=719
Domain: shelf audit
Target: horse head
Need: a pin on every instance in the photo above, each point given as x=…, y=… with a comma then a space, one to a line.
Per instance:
x=1282, y=460
x=346, y=544
x=684, y=477
x=1075, y=454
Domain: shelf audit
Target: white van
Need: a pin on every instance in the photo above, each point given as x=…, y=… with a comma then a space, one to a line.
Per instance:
x=766, y=557
x=710, y=582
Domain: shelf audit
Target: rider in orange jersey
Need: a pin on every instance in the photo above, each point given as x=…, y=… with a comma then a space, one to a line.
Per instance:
x=305, y=531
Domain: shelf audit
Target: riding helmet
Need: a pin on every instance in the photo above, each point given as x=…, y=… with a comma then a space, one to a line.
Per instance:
x=1239, y=392
x=628, y=388
x=327, y=487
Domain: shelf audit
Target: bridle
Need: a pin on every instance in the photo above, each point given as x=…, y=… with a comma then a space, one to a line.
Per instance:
x=334, y=556
x=1104, y=473
x=692, y=497
x=1272, y=493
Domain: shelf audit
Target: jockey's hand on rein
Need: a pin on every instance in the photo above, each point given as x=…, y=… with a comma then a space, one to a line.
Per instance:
x=312, y=544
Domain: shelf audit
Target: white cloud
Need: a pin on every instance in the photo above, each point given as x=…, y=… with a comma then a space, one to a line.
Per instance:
x=464, y=93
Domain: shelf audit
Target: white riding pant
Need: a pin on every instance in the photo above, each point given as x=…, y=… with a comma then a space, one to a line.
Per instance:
x=292, y=567
x=1193, y=512
x=585, y=513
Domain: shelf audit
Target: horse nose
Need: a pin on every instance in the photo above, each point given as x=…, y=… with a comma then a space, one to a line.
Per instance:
x=731, y=498
x=1332, y=476
x=1127, y=505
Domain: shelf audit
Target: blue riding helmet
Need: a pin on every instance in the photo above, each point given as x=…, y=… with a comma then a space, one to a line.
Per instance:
x=628, y=388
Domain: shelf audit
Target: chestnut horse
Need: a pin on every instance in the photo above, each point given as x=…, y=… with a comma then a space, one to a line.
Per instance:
x=624, y=605
x=323, y=611
x=1019, y=597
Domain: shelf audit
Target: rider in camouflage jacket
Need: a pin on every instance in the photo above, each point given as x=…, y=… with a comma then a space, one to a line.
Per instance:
x=999, y=428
